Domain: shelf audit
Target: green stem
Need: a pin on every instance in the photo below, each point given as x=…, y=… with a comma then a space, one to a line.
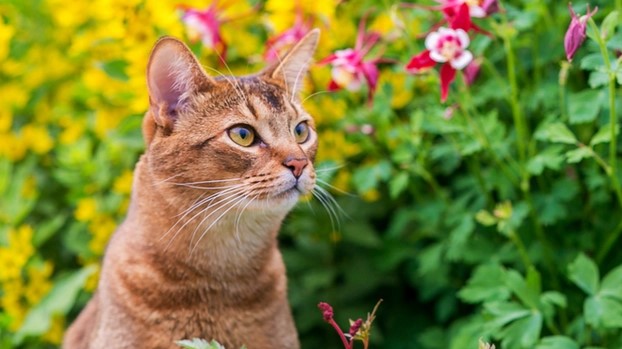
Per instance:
x=613, y=143
x=522, y=251
x=563, y=79
x=609, y=243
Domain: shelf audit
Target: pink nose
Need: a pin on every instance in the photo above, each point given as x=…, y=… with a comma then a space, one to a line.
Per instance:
x=295, y=165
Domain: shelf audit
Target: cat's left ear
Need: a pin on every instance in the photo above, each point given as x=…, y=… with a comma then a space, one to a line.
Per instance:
x=291, y=70
x=173, y=76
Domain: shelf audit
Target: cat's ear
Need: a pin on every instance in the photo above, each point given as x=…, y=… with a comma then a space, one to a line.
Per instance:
x=173, y=75
x=292, y=68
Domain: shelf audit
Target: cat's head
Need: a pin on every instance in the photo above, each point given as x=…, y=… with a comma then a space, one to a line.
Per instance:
x=247, y=138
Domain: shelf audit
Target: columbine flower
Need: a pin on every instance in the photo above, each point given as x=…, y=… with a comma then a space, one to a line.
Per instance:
x=279, y=43
x=446, y=46
x=350, y=68
x=575, y=35
x=477, y=8
x=204, y=25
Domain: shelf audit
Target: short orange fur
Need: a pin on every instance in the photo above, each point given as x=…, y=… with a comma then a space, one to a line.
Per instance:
x=197, y=255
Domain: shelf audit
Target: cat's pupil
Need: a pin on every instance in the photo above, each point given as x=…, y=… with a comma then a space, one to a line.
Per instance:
x=244, y=133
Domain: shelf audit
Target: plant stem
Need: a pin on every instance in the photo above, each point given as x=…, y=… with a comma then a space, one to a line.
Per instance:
x=613, y=143
x=522, y=251
x=346, y=345
x=611, y=240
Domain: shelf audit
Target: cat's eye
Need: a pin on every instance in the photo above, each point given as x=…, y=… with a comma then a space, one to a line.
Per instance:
x=301, y=132
x=242, y=135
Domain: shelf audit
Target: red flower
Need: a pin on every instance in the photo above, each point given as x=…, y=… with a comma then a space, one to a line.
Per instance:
x=575, y=35
x=350, y=68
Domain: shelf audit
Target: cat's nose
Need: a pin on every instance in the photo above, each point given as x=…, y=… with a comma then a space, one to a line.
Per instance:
x=296, y=165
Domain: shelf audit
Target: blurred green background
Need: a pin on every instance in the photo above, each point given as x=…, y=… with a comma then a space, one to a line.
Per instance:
x=494, y=215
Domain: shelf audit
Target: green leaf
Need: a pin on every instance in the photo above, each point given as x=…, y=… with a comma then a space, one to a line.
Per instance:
x=398, y=184
x=603, y=312
x=592, y=61
x=577, y=155
x=550, y=157
x=528, y=291
x=611, y=284
x=603, y=135
x=557, y=342
x=47, y=229
x=522, y=333
x=584, y=106
x=485, y=218
x=598, y=78
x=58, y=301
x=485, y=285
x=556, y=132
x=608, y=26
x=503, y=313
x=584, y=273
x=116, y=69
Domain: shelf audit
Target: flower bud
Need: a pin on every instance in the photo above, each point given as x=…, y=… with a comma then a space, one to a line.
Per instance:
x=575, y=35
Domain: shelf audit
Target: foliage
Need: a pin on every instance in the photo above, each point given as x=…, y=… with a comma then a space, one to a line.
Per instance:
x=495, y=214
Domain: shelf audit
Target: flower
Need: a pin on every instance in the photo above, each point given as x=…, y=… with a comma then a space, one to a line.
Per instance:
x=354, y=328
x=327, y=311
x=286, y=39
x=575, y=35
x=350, y=68
x=204, y=25
x=446, y=46
x=471, y=71
x=477, y=8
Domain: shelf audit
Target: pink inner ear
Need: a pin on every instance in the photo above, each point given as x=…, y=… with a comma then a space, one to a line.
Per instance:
x=163, y=78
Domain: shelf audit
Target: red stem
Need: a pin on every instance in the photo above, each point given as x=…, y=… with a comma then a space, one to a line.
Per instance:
x=340, y=332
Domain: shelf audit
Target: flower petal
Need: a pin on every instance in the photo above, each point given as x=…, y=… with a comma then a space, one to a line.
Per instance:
x=431, y=41
x=437, y=57
x=462, y=19
x=461, y=61
x=420, y=62
x=463, y=38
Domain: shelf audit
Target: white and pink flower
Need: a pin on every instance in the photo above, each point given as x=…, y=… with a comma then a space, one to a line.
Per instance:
x=204, y=25
x=350, y=69
x=447, y=46
x=477, y=8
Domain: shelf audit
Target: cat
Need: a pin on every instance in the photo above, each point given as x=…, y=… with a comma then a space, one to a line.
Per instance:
x=226, y=159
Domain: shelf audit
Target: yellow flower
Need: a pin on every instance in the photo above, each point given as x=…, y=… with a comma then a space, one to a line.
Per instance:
x=55, y=334
x=12, y=147
x=383, y=24
x=123, y=184
x=37, y=138
x=72, y=130
x=86, y=210
x=6, y=34
x=16, y=254
x=38, y=282
x=91, y=282
x=102, y=228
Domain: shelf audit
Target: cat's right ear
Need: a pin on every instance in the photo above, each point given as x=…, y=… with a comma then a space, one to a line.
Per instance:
x=173, y=75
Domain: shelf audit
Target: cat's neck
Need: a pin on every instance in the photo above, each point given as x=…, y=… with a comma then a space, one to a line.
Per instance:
x=223, y=243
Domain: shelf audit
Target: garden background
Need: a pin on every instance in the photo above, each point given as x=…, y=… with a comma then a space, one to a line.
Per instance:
x=495, y=214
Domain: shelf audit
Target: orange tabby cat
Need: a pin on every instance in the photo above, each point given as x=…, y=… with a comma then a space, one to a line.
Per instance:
x=197, y=255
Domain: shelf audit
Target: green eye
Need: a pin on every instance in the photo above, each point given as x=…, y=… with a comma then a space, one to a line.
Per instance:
x=242, y=135
x=301, y=132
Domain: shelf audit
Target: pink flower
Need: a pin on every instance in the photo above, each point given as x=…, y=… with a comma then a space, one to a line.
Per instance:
x=477, y=8
x=448, y=47
x=327, y=311
x=283, y=41
x=471, y=71
x=350, y=69
x=355, y=327
x=204, y=25
x=575, y=35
